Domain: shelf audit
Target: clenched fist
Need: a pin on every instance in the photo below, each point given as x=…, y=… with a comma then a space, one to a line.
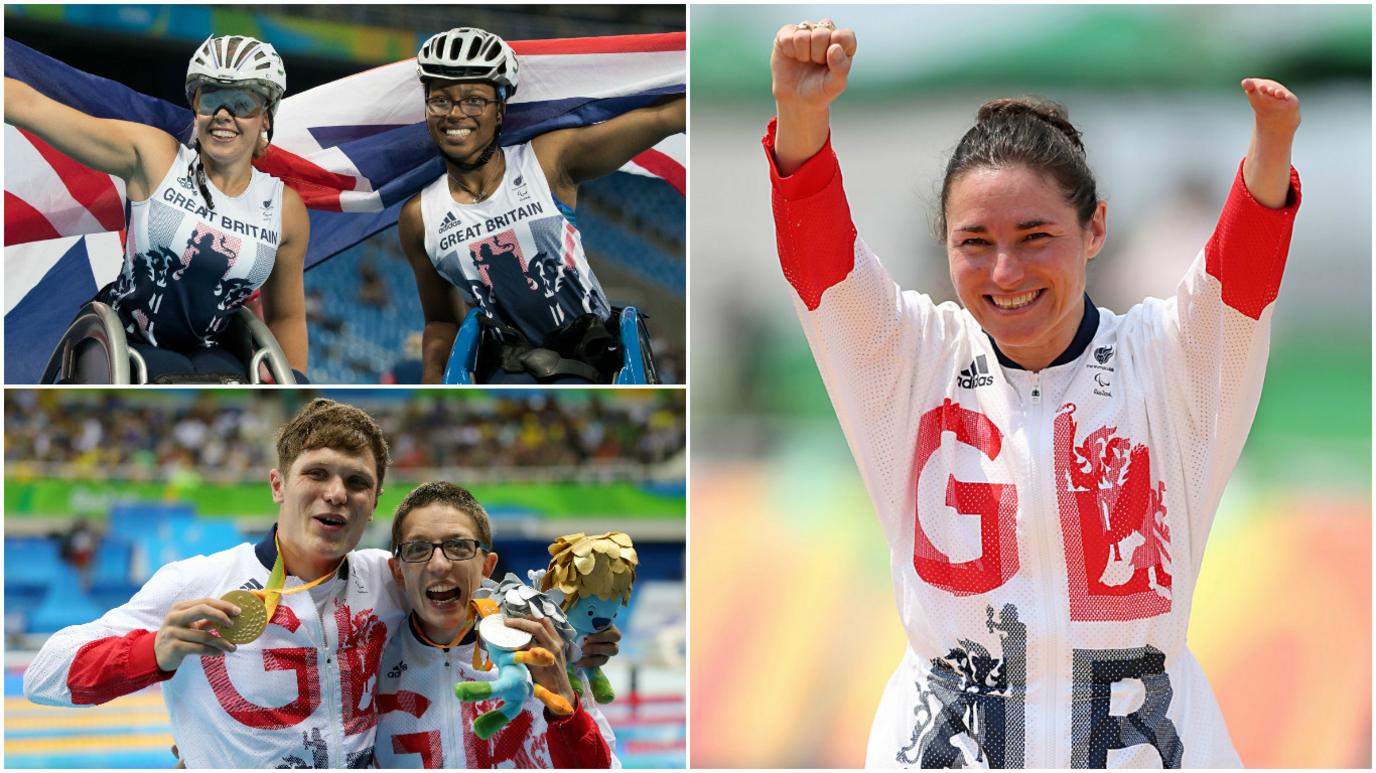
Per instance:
x=810, y=64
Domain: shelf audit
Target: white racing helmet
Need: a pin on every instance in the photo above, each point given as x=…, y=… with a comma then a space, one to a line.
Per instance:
x=238, y=60
x=470, y=54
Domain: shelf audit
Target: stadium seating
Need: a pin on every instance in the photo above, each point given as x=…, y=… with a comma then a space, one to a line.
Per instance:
x=140, y=538
x=142, y=517
x=646, y=203
x=205, y=536
x=112, y=565
x=64, y=604
x=32, y=564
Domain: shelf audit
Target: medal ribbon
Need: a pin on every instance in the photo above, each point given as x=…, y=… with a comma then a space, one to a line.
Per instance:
x=482, y=608
x=274, y=593
x=420, y=631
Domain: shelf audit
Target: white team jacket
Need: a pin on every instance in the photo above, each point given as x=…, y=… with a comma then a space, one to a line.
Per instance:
x=1045, y=529
x=299, y=696
x=422, y=724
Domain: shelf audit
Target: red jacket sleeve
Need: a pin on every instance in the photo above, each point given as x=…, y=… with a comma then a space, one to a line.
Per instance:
x=1247, y=251
x=576, y=742
x=105, y=669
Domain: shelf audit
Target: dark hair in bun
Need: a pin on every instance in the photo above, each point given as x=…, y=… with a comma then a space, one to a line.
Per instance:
x=1025, y=131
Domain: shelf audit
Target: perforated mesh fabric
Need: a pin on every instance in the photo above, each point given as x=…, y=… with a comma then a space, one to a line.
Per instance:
x=1045, y=529
x=187, y=269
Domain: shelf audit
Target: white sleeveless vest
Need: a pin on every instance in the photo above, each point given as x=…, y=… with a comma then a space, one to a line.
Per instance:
x=516, y=254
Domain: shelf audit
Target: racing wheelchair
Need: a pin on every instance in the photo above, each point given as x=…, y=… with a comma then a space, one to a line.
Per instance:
x=483, y=342
x=94, y=350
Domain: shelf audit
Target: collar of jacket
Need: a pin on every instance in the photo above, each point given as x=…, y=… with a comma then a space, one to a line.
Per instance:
x=414, y=626
x=1089, y=325
x=266, y=550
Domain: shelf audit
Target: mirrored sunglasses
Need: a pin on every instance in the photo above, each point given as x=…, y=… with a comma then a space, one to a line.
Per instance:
x=240, y=102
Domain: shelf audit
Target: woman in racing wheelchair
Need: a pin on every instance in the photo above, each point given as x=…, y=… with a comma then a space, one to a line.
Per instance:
x=497, y=230
x=205, y=230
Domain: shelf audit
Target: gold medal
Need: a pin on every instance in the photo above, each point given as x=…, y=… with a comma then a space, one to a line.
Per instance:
x=252, y=618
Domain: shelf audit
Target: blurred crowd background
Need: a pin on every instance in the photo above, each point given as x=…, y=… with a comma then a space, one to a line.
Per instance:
x=103, y=487
x=362, y=307
x=1282, y=611
x=503, y=435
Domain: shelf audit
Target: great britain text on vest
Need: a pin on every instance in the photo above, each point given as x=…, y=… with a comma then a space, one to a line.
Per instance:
x=492, y=225
x=177, y=199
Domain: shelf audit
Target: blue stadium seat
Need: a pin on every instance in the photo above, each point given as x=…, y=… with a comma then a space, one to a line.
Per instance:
x=111, y=564
x=206, y=536
x=64, y=604
x=632, y=252
x=138, y=517
x=32, y=563
x=647, y=203
x=659, y=561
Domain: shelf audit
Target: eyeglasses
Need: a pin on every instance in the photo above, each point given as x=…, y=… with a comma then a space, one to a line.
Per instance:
x=240, y=102
x=420, y=551
x=471, y=106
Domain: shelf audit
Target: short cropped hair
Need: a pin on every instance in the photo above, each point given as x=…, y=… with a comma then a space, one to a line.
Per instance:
x=442, y=492
x=324, y=423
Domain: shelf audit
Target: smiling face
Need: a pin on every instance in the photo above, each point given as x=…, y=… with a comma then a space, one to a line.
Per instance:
x=439, y=590
x=230, y=134
x=325, y=501
x=1018, y=255
x=458, y=135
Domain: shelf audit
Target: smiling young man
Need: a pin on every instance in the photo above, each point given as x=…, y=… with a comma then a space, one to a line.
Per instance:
x=499, y=225
x=442, y=548
x=300, y=694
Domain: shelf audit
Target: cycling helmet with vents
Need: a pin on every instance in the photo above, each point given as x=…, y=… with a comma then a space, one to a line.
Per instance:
x=470, y=54
x=238, y=60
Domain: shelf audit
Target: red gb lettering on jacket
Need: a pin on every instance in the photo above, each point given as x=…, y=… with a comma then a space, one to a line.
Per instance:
x=995, y=504
x=361, y=637
x=1113, y=523
x=427, y=744
x=512, y=747
x=300, y=660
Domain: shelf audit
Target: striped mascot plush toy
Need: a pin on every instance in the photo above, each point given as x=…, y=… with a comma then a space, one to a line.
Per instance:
x=595, y=575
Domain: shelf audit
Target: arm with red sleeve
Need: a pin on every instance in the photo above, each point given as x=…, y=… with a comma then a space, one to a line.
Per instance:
x=580, y=741
x=95, y=662
x=1216, y=334
x=876, y=346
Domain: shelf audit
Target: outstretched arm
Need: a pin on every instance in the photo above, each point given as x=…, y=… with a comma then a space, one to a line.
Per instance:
x=134, y=152
x=810, y=66
x=573, y=156
x=284, y=294
x=1276, y=114
x=130, y=647
x=443, y=311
